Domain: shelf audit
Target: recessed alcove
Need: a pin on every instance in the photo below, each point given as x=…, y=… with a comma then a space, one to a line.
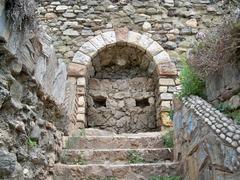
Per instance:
x=121, y=91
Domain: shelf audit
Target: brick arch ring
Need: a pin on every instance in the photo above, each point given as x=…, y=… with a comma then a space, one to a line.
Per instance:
x=82, y=61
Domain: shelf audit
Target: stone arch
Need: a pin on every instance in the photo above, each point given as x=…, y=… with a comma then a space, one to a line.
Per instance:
x=80, y=69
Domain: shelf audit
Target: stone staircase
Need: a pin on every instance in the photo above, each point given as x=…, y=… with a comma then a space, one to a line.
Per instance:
x=94, y=154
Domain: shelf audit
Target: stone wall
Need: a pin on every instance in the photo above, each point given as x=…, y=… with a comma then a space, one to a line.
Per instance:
x=124, y=105
x=32, y=86
x=223, y=84
x=173, y=24
x=207, y=143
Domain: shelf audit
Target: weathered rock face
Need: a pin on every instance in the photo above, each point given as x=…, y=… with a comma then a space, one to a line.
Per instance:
x=32, y=85
x=223, y=84
x=124, y=105
x=206, y=142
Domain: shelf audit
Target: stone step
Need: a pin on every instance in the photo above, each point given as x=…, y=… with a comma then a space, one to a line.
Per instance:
x=128, y=141
x=116, y=172
x=116, y=156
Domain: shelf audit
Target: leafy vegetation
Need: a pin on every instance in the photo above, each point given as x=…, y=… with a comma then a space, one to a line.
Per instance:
x=190, y=81
x=168, y=139
x=134, y=157
x=32, y=143
x=231, y=112
x=164, y=178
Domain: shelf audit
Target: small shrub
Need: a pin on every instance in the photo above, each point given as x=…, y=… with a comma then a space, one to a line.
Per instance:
x=31, y=143
x=168, y=139
x=164, y=178
x=218, y=48
x=134, y=157
x=190, y=81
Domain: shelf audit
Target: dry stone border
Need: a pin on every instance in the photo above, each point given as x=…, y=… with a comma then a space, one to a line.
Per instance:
x=81, y=67
x=224, y=127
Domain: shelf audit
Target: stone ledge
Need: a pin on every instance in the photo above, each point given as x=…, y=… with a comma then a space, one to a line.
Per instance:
x=223, y=127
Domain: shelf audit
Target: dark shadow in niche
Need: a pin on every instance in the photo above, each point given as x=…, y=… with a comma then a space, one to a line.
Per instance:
x=99, y=101
x=142, y=102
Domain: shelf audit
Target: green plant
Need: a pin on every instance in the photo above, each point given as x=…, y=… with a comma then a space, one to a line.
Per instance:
x=164, y=178
x=168, y=139
x=31, y=143
x=224, y=107
x=236, y=116
x=231, y=112
x=190, y=81
x=80, y=160
x=135, y=157
x=171, y=113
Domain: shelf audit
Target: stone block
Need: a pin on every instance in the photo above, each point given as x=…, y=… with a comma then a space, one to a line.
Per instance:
x=81, y=118
x=145, y=42
x=163, y=89
x=81, y=82
x=81, y=101
x=98, y=42
x=133, y=38
x=165, y=105
x=81, y=91
x=109, y=37
x=70, y=32
x=61, y=8
x=122, y=34
x=81, y=58
x=166, y=96
x=88, y=49
x=166, y=82
x=162, y=58
x=154, y=49
x=167, y=69
x=81, y=110
x=77, y=70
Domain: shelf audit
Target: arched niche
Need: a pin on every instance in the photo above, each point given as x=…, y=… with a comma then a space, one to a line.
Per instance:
x=119, y=57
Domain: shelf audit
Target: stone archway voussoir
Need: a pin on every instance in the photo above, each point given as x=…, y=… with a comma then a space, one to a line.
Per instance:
x=89, y=49
x=154, y=49
x=81, y=58
x=133, y=39
x=98, y=42
x=109, y=37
